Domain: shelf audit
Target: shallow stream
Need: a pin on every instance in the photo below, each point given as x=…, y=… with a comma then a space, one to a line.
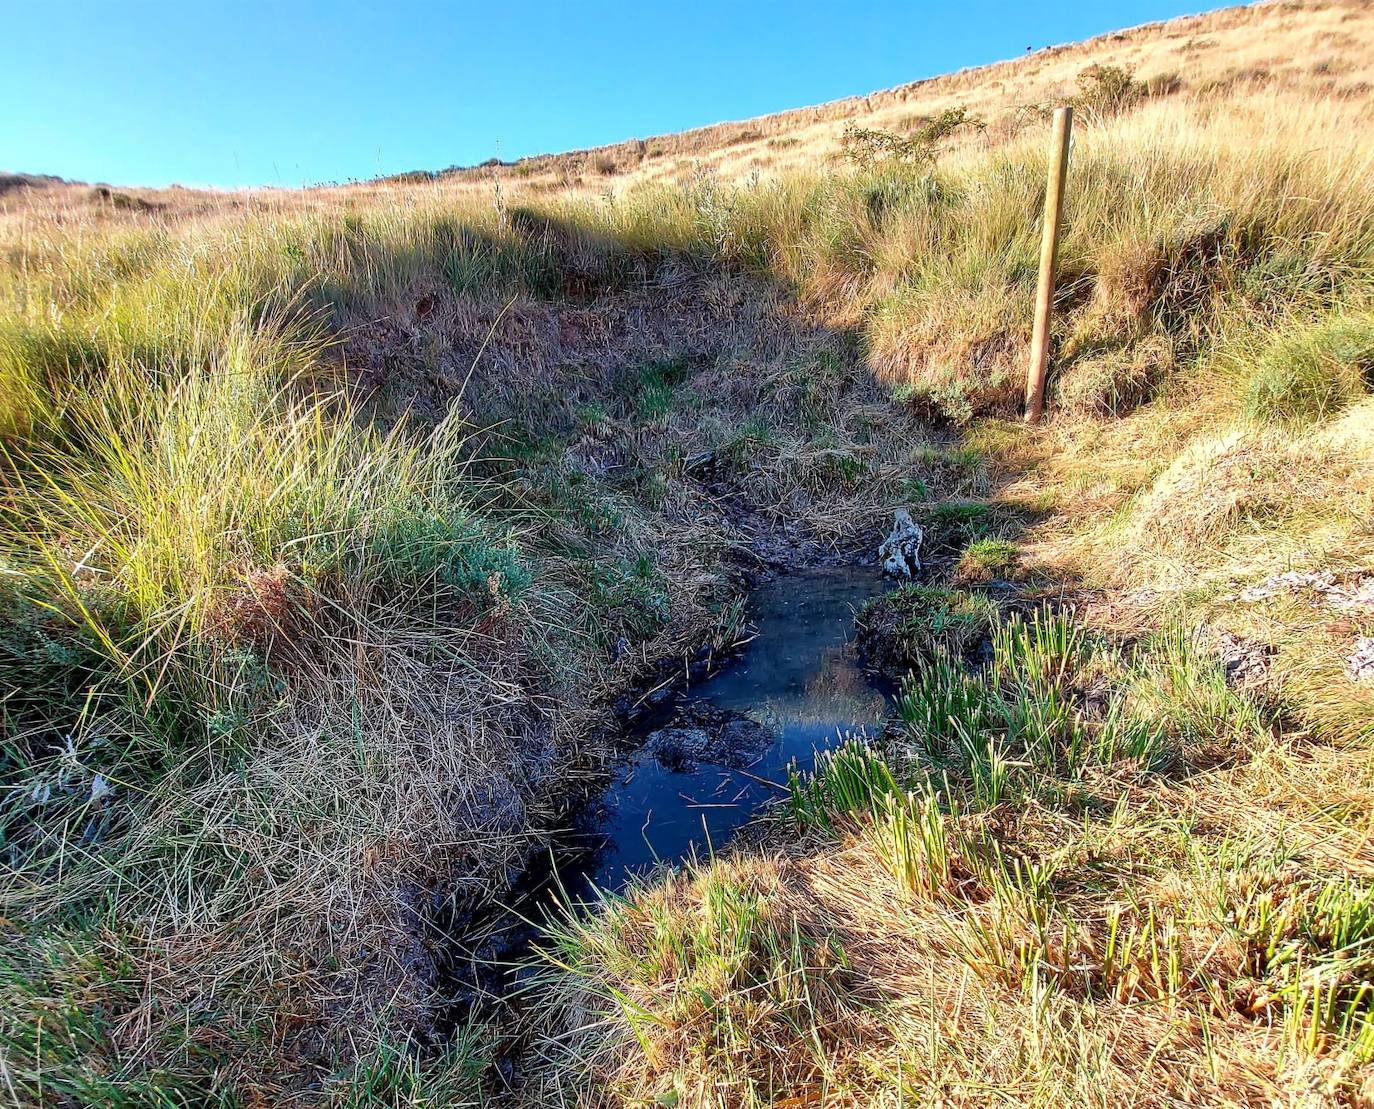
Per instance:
x=699, y=766
x=709, y=760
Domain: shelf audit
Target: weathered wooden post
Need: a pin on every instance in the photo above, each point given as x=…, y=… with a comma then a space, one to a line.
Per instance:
x=1049, y=246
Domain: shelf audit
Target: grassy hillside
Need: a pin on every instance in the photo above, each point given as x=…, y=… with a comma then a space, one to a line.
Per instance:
x=335, y=522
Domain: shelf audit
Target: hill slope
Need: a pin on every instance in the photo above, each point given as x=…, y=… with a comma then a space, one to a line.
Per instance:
x=1295, y=48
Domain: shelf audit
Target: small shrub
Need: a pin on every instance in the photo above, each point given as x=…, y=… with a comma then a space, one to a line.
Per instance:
x=949, y=400
x=942, y=126
x=747, y=134
x=413, y=177
x=1105, y=90
x=125, y=201
x=866, y=147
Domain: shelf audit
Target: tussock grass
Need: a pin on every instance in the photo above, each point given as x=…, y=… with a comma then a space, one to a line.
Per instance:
x=906, y=627
x=1314, y=372
x=273, y=660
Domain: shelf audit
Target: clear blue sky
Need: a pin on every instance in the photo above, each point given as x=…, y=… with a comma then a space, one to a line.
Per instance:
x=246, y=92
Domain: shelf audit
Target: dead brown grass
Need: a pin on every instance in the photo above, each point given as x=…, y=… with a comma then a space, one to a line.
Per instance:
x=1269, y=43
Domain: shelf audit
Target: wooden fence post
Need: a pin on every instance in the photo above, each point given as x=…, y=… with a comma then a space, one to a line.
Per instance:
x=1049, y=246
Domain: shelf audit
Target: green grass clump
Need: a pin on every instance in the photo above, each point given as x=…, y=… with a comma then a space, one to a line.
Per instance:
x=1023, y=723
x=211, y=512
x=624, y=599
x=265, y=650
x=61, y=994
x=1055, y=724
x=853, y=779
x=1314, y=942
x=956, y=521
x=908, y=626
x=719, y=959
x=1312, y=371
x=658, y=388
x=1176, y=682
x=405, y=1075
x=986, y=559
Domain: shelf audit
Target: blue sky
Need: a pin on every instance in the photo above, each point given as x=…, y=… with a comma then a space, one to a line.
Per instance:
x=148, y=92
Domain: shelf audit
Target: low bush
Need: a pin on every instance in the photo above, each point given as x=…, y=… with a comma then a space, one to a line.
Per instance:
x=866, y=147
x=1104, y=90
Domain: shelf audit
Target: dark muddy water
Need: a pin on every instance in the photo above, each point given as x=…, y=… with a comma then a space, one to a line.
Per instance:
x=710, y=760
x=699, y=767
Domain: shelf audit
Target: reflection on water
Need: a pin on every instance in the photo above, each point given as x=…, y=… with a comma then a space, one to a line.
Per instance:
x=800, y=677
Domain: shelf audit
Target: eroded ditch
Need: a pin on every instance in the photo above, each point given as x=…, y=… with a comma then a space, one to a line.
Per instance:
x=721, y=749
x=697, y=765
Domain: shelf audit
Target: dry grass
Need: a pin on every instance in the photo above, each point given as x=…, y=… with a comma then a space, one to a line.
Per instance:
x=333, y=518
x=1299, y=48
x=327, y=537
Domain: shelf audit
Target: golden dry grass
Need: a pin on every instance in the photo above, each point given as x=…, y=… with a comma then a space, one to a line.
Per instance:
x=334, y=517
